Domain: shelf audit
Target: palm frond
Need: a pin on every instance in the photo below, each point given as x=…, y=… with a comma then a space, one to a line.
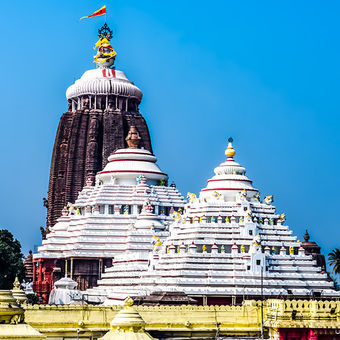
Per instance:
x=334, y=260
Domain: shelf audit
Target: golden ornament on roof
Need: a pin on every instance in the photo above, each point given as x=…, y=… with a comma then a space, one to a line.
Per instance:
x=106, y=54
x=158, y=242
x=128, y=301
x=230, y=152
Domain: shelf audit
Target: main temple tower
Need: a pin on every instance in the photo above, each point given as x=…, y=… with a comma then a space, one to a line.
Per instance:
x=103, y=105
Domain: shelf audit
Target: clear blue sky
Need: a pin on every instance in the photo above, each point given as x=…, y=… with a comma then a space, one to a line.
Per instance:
x=264, y=72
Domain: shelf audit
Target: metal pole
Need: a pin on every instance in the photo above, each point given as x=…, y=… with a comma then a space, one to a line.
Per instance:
x=262, y=335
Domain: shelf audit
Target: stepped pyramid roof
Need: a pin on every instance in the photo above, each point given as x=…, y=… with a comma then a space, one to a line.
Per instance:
x=228, y=242
x=97, y=225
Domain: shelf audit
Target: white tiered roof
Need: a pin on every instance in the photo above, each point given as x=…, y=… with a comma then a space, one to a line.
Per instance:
x=125, y=165
x=104, y=81
x=226, y=243
x=97, y=225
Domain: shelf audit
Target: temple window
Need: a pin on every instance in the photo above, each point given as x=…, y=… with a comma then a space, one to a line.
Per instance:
x=111, y=209
x=258, y=262
x=101, y=209
x=161, y=211
x=248, y=267
x=250, y=232
x=139, y=209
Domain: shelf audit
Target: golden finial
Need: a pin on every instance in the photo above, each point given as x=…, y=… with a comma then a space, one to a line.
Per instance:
x=230, y=152
x=16, y=284
x=128, y=301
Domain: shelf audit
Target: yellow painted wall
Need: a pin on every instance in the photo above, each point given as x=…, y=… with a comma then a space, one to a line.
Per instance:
x=64, y=321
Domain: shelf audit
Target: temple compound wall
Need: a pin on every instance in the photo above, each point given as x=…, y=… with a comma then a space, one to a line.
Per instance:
x=282, y=319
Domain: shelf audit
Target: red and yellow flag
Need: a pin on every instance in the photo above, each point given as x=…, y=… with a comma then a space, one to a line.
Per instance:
x=96, y=13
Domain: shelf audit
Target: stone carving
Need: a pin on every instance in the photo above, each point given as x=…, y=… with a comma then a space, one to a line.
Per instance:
x=217, y=196
x=15, y=319
x=73, y=161
x=242, y=196
x=43, y=232
x=269, y=199
x=133, y=138
x=191, y=197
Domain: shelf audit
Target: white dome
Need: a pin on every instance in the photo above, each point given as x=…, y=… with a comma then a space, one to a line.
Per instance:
x=125, y=165
x=148, y=221
x=104, y=82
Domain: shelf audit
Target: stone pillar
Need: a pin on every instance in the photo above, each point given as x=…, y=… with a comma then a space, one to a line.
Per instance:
x=71, y=268
x=100, y=268
x=182, y=248
x=34, y=271
x=172, y=249
x=301, y=251
x=192, y=248
x=234, y=249
x=40, y=271
x=214, y=249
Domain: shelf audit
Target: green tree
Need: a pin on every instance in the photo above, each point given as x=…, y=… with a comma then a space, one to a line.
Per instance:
x=334, y=260
x=11, y=260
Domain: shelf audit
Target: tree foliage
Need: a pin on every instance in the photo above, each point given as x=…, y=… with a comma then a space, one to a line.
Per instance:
x=334, y=260
x=11, y=260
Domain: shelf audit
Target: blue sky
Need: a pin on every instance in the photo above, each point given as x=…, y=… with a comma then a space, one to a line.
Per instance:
x=264, y=72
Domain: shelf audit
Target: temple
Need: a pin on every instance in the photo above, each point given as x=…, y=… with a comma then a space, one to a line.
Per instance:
x=103, y=105
x=125, y=256
x=103, y=172
x=226, y=247
x=96, y=228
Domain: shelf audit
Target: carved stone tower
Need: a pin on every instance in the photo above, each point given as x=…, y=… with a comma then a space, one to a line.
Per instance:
x=103, y=106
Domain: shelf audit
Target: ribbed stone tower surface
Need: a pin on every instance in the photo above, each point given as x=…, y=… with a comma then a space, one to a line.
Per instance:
x=103, y=105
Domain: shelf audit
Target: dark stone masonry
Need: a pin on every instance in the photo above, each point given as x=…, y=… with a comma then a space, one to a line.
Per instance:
x=85, y=138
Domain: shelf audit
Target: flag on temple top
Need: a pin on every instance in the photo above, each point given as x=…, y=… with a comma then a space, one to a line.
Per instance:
x=96, y=13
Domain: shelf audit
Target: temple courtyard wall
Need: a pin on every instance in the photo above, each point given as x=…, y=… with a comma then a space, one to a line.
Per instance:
x=282, y=319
